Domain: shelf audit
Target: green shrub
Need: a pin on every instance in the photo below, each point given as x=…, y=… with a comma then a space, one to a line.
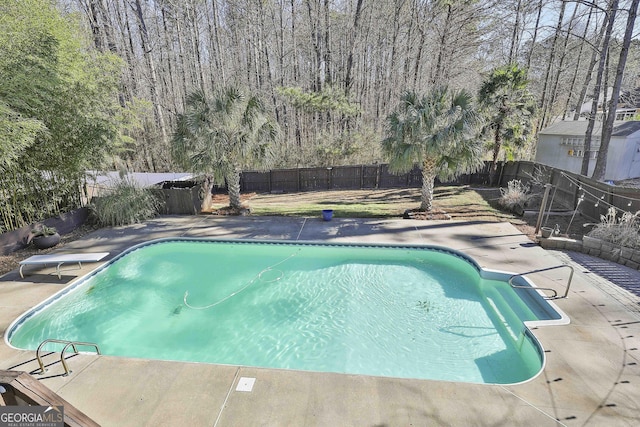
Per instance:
x=623, y=231
x=515, y=197
x=126, y=203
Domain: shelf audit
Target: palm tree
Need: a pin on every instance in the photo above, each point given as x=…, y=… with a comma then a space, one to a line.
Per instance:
x=223, y=135
x=437, y=131
x=509, y=108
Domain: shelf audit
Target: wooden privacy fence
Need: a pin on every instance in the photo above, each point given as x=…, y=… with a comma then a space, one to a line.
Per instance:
x=573, y=191
x=341, y=178
x=329, y=178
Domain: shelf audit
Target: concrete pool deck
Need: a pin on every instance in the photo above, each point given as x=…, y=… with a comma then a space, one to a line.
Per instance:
x=591, y=377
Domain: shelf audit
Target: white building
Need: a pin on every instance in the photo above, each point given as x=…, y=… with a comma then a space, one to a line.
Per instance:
x=561, y=145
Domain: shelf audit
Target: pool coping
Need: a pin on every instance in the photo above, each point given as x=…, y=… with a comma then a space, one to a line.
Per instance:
x=591, y=361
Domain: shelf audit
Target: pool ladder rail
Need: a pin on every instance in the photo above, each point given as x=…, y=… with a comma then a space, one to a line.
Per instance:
x=73, y=344
x=555, y=293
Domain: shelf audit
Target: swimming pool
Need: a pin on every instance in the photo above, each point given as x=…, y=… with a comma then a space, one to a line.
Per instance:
x=399, y=311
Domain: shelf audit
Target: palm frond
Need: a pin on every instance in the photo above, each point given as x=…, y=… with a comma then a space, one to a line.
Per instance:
x=440, y=125
x=222, y=133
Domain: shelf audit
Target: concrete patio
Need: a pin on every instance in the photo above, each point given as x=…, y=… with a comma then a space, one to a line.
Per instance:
x=592, y=376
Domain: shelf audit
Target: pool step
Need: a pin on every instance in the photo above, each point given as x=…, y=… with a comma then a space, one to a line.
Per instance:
x=514, y=298
x=537, y=304
x=508, y=314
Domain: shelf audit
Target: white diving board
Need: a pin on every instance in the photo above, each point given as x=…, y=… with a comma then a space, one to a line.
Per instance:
x=60, y=259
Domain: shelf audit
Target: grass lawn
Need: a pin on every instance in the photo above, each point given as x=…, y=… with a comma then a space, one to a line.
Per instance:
x=459, y=202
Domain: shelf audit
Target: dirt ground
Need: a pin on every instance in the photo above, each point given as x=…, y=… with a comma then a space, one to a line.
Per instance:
x=473, y=208
x=11, y=261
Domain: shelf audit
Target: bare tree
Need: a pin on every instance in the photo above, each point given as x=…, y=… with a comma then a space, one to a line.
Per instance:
x=604, y=52
x=595, y=50
x=534, y=39
x=577, y=66
x=352, y=40
x=607, y=128
x=368, y=51
x=544, y=101
x=153, y=78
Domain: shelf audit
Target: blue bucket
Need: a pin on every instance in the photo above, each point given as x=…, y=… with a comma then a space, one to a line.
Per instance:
x=327, y=214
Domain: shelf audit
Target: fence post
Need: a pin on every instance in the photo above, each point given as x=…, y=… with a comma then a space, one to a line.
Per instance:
x=543, y=206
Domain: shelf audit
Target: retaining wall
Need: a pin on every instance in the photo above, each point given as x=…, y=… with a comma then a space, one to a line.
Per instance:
x=595, y=247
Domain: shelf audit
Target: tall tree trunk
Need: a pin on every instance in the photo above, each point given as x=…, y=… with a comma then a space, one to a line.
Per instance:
x=123, y=17
x=195, y=42
x=316, y=42
x=280, y=36
x=592, y=64
x=328, y=77
x=513, y=50
x=577, y=67
x=153, y=78
x=215, y=44
x=556, y=80
x=100, y=23
x=91, y=11
x=107, y=27
x=294, y=42
x=534, y=39
x=184, y=71
x=544, y=102
x=265, y=54
x=418, y=59
x=601, y=164
x=604, y=51
x=436, y=75
x=352, y=40
x=170, y=66
x=390, y=78
x=409, y=44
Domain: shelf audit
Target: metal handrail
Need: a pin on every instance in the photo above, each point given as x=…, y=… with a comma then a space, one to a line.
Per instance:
x=68, y=344
x=555, y=293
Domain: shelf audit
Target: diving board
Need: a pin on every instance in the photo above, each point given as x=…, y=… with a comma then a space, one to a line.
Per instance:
x=60, y=259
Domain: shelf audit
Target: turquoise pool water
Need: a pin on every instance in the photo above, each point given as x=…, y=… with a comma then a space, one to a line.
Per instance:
x=386, y=311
